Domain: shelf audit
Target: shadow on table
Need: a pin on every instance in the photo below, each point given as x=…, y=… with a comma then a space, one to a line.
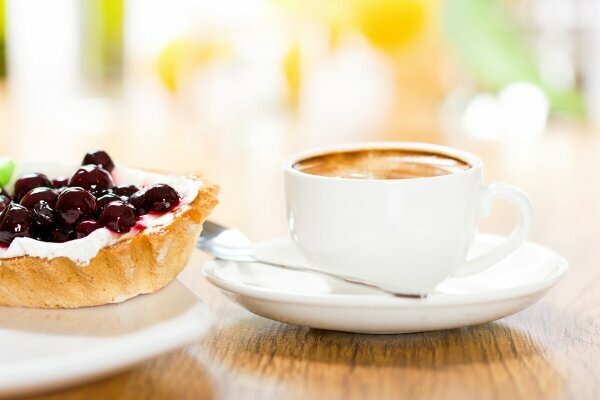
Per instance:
x=492, y=342
x=492, y=360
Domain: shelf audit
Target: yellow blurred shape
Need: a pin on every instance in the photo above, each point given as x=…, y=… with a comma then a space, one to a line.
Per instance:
x=171, y=63
x=291, y=70
x=337, y=14
x=390, y=24
x=181, y=57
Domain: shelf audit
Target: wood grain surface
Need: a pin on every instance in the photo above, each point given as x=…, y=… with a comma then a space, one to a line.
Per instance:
x=548, y=351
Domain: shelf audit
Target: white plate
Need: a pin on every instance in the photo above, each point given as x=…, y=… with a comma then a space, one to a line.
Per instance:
x=46, y=349
x=309, y=300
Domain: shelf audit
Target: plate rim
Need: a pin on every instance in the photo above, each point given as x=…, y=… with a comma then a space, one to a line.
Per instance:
x=36, y=375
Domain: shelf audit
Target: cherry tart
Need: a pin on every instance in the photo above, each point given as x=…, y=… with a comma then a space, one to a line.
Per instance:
x=99, y=234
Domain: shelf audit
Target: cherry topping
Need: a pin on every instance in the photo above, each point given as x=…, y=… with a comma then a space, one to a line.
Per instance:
x=99, y=193
x=15, y=221
x=74, y=204
x=4, y=201
x=39, y=233
x=44, y=214
x=125, y=190
x=60, y=182
x=61, y=234
x=30, y=181
x=37, y=195
x=86, y=227
x=161, y=198
x=64, y=209
x=105, y=199
x=118, y=216
x=91, y=177
x=138, y=200
x=99, y=157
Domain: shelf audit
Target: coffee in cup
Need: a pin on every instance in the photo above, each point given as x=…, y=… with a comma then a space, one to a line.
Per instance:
x=381, y=164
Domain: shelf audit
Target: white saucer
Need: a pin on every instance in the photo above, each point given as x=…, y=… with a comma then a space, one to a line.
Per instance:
x=309, y=300
x=42, y=350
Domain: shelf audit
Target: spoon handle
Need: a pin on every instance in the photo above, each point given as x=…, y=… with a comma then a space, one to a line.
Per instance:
x=347, y=279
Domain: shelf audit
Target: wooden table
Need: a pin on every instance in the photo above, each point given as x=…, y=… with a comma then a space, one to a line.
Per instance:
x=550, y=350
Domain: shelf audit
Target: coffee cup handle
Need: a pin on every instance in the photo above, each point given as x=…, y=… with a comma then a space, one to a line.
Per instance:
x=491, y=193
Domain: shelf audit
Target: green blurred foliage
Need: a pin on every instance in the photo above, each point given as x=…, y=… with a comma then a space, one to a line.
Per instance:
x=102, y=39
x=7, y=167
x=495, y=52
x=2, y=38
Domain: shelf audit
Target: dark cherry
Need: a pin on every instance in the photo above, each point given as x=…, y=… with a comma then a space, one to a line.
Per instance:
x=125, y=190
x=75, y=204
x=30, y=181
x=44, y=214
x=138, y=200
x=61, y=235
x=37, y=195
x=105, y=199
x=161, y=198
x=60, y=182
x=100, y=192
x=99, y=157
x=40, y=233
x=4, y=201
x=86, y=227
x=91, y=177
x=118, y=216
x=15, y=221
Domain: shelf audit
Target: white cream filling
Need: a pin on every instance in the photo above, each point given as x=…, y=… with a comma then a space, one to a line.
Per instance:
x=81, y=251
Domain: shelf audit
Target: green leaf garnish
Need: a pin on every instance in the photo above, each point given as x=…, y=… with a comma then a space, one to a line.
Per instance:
x=7, y=167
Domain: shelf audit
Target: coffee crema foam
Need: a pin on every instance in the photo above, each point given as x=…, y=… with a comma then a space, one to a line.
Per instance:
x=381, y=164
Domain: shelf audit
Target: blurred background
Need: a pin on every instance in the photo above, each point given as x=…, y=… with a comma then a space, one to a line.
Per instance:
x=232, y=87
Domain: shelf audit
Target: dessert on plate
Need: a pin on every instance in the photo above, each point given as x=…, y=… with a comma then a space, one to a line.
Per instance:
x=91, y=234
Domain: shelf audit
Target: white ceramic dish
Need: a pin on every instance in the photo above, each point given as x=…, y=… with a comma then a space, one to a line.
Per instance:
x=303, y=299
x=41, y=350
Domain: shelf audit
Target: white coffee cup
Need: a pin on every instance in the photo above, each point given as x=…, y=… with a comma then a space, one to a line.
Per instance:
x=410, y=234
